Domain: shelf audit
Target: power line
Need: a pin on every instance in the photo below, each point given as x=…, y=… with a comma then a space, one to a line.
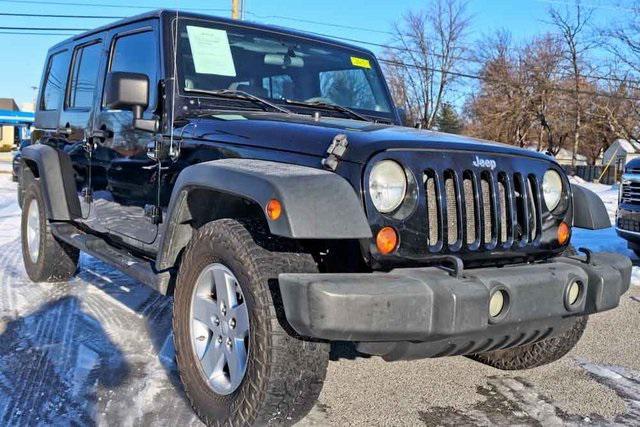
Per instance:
x=35, y=34
x=32, y=31
x=486, y=79
x=347, y=39
x=119, y=6
x=41, y=15
x=43, y=29
x=326, y=24
x=587, y=5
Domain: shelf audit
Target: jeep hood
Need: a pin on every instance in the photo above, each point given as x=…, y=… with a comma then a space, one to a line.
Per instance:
x=304, y=135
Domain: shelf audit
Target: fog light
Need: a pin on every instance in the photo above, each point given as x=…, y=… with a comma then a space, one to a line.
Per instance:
x=574, y=292
x=496, y=303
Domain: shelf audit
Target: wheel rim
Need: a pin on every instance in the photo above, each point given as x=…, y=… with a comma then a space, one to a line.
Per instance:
x=33, y=230
x=220, y=328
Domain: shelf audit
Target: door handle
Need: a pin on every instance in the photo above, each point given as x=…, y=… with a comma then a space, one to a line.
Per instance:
x=66, y=130
x=98, y=133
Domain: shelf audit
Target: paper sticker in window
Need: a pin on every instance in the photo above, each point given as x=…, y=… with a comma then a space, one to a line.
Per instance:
x=211, y=51
x=360, y=62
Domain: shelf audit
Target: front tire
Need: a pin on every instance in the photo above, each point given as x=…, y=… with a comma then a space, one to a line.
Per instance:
x=46, y=259
x=536, y=354
x=283, y=374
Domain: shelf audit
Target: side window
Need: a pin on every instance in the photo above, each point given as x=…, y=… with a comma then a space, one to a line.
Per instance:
x=137, y=53
x=54, y=83
x=86, y=61
x=349, y=88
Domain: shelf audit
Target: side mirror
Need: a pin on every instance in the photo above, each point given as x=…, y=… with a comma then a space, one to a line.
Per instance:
x=130, y=91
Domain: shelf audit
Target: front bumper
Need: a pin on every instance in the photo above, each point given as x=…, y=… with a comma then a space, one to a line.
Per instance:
x=425, y=312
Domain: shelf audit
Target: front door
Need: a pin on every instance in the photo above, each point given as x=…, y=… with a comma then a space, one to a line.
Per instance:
x=126, y=189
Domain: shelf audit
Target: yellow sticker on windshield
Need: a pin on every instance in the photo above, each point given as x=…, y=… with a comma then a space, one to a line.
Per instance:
x=360, y=62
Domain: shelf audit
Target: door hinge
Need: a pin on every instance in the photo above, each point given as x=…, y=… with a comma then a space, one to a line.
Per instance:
x=335, y=152
x=153, y=213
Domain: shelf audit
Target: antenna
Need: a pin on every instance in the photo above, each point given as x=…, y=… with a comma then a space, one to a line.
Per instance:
x=174, y=83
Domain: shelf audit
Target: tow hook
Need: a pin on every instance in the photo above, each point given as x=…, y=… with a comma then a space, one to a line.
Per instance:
x=587, y=253
x=335, y=152
x=452, y=264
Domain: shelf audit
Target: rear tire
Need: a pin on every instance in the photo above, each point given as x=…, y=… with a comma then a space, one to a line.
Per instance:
x=536, y=354
x=46, y=259
x=284, y=374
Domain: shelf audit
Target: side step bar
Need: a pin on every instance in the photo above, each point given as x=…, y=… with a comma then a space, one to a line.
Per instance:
x=138, y=268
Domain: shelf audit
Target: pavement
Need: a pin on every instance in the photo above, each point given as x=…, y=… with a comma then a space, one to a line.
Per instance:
x=98, y=350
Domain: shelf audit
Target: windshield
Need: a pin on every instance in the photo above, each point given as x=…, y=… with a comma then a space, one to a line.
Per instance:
x=278, y=67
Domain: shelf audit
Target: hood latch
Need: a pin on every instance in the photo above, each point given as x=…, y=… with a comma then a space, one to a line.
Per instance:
x=335, y=152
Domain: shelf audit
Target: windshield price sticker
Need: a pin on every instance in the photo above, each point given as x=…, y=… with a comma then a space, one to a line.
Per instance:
x=211, y=51
x=360, y=62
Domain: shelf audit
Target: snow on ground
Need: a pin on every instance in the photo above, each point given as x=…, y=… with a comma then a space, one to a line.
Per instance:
x=98, y=350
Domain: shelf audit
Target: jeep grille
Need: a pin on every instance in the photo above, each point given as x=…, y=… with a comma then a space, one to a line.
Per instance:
x=487, y=209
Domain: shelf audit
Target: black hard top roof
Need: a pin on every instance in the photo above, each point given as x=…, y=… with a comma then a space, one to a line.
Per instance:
x=166, y=13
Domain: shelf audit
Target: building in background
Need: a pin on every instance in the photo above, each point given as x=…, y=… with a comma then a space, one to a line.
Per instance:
x=565, y=157
x=620, y=152
x=9, y=135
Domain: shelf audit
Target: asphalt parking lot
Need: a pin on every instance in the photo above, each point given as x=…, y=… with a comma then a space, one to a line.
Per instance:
x=98, y=350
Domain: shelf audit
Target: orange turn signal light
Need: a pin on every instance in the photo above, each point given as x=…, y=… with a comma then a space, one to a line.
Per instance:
x=274, y=209
x=564, y=233
x=387, y=240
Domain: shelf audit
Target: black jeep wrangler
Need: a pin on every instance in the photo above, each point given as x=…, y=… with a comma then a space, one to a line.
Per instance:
x=262, y=178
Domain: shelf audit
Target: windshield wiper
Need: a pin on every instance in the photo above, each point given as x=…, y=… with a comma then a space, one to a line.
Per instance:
x=329, y=106
x=239, y=94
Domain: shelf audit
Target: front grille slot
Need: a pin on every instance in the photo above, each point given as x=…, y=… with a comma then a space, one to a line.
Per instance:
x=488, y=211
x=534, y=209
x=503, y=208
x=631, y=193
x=433, y=215
x=453, y=209
x=481, y=210
x=470, y=217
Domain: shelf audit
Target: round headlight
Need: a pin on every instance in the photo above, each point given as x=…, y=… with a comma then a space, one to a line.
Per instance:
x=552, y=189
x=387, y=185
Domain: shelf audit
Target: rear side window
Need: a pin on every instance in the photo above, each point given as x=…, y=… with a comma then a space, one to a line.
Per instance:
x=86, y=61
x=55, y=82
x=137, y=53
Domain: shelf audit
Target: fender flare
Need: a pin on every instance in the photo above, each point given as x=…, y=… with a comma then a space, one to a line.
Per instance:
x=55, y=173
x=588, y=209
x=317, y=204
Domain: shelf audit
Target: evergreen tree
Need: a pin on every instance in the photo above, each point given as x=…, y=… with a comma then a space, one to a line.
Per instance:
x=448, y=120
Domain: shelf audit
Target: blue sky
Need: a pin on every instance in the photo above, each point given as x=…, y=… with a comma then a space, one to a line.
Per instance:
x=22, y=56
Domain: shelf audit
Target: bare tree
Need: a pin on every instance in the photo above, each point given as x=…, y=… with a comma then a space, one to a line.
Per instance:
x=623, y=38
x=428, y=46
x=572, y=27
x=623, y=41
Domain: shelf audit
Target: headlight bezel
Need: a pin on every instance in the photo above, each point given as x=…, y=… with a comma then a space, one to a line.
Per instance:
x=397, y=168
x=555, y=178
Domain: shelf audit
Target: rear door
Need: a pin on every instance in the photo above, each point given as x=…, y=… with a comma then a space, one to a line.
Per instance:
x=127, y=191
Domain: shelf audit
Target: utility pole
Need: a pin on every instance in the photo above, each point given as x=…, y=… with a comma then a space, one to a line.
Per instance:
x=236, y=9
